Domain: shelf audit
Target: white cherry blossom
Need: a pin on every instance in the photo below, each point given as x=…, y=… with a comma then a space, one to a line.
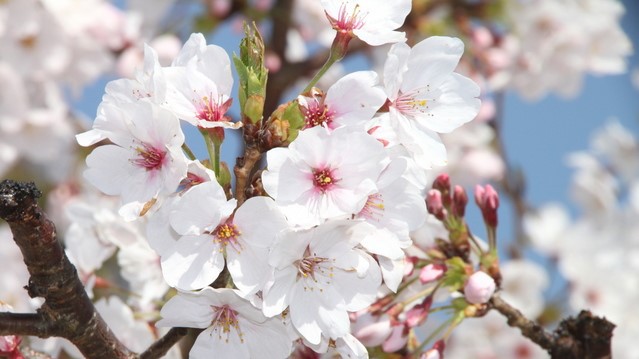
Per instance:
x=320, y=274
x=200, y=217
x=146, y=158
x=233, y=328
x=372, y=21
x=352, y=100
x=324, y=174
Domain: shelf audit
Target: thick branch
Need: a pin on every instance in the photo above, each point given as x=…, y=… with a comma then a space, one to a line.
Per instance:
x=53, y=276
x=26, y=324
x=162, y=345
x=584, y=337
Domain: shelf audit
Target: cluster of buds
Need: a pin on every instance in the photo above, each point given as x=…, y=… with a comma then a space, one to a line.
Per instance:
x=449, y=206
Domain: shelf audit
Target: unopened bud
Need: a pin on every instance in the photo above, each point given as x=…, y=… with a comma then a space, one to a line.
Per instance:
x=435, y=205
x=282, y=127
x=487, y=200
x=460, y=199
x=418, y=314
x=431, y=272
x=479, y=288
x=252, y=75
x=442, y=183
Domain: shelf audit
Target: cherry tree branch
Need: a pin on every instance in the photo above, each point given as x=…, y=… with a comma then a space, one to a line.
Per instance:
x=583, y=337
x=67, y=307
x=162, y=345
x=67, y=310
x=26, y=324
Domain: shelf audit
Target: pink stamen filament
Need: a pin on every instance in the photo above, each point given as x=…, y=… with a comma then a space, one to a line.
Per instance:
x=324, y=179
x=317, y=114
x=349, y=21
x=149, y=157
x=209, y=110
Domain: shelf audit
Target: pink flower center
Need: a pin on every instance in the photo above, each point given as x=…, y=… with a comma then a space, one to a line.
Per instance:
x=210, y=110
x=317, y=113
x=348, y=21
x=224, y=319
x=149, y=157
x=324, y=179
x=226, y=234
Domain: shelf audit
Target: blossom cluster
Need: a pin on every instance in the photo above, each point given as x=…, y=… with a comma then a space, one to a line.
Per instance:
x=340, y=201
x=346, y=236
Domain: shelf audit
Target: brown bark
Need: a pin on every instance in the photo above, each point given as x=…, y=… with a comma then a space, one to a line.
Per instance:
x=583, y=337
x=67, y=311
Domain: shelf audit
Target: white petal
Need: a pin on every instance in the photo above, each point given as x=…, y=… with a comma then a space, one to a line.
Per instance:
x=193, y=263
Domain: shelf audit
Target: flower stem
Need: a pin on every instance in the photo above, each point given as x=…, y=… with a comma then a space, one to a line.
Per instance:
x=433, y=335
x=213, y=151
x=188, y=152
x=334, y=57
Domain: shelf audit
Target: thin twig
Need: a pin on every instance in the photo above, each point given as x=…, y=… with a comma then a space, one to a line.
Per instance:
x=162, y=345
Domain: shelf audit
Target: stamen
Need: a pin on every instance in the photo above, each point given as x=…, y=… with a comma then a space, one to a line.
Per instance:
x=226, y=234
x=374, y=208
x=224, y=319
x=149, y=157
x=324, y=179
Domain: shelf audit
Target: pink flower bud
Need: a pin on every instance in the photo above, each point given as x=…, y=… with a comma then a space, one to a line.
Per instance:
x=479, y=288
x=460, y=199
x=487, y=200
x=435, y=205
x=418, y=314
x=431, y=273
x=442, y=183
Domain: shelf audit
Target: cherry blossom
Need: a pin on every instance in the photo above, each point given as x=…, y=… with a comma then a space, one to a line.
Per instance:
x=200, y=217
x=146, y=159
x=319, y=275
x=324, y=174
x=200, y=83
x=352, y=100
x=372, y=21
x=233, y=328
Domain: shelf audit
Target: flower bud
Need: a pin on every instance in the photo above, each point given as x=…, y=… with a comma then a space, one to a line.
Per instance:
x=418, y=314
x=479, y=288
x=487, y=200
x=435, y=205
x=442, y=183
x=282, y=126
x=460, y=199
x=252, y=75
x=431, y=273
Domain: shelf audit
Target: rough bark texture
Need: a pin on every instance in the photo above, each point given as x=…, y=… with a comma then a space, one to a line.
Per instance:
x=67, y=311
x=583, y=337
